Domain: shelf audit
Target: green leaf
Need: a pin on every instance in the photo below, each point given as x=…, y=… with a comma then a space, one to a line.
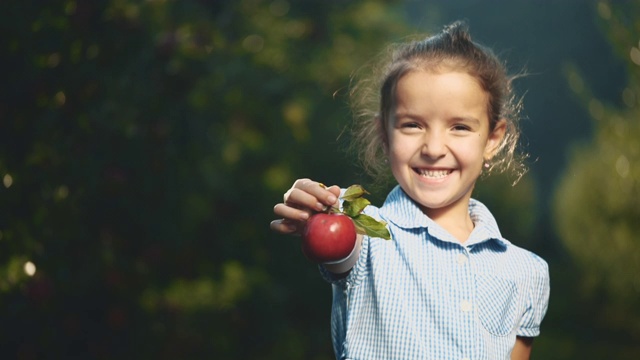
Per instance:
x=353, y=192
x=367, y=225
x=355, y=206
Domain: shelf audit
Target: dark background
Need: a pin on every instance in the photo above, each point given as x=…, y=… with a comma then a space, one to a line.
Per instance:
x=143, y=145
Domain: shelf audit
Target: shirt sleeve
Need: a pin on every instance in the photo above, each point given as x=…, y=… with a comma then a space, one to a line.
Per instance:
x=538, y=299
x=356, y=273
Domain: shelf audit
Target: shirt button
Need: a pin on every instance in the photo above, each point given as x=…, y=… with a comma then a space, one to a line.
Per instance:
x=462, y=259
x=466, y=306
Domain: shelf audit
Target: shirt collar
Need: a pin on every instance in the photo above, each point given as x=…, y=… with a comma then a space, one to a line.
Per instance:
x=401, y=210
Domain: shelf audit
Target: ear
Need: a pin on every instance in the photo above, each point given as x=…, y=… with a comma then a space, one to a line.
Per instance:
x=494, y=142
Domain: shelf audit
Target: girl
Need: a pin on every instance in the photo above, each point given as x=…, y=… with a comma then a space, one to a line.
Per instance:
x=448, y=286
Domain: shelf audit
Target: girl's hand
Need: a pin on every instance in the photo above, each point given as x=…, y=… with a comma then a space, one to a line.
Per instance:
x=305, y=198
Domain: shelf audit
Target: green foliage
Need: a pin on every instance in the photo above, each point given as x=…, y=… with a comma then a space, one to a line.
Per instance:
x=597, y=203
x=142, y=147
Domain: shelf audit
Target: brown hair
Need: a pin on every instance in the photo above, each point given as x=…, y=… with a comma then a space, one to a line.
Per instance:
x=373, y=97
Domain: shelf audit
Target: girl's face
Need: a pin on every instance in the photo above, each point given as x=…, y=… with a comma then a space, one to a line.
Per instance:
x=438, y=138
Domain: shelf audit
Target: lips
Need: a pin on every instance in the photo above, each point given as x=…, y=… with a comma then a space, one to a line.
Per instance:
x=433, y=173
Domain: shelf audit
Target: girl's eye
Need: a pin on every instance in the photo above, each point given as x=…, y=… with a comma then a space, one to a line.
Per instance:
x=460, y=127
x=410, y=125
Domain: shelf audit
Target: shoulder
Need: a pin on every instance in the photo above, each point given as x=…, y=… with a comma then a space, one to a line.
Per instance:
x=488, y=228
x=529, y=265
x=529, y=258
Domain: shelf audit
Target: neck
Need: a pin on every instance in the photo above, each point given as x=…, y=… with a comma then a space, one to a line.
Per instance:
x=455, y=219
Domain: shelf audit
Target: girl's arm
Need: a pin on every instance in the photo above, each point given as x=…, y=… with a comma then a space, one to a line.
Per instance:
x=522, y=348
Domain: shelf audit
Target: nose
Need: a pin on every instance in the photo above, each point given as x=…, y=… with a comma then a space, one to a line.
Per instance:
x=434, y=145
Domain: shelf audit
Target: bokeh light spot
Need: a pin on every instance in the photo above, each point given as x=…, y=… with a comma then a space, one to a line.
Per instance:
x=629, y=97
x=634, y=54
x=53, y=60
x=70, y=8
x=29, y=268
x=596, y=109
x=60, y=98
x=231, y=153
x=604, y=10
x=622, y=166
x=279, y=8
x=92, y=51
x=7, y=180
x=278, y=177
x=575, y=82
x=61, y=192
x=295, y=115
x=253, y=43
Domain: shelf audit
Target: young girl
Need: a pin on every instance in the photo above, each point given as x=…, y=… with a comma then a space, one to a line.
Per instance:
x=448, y=285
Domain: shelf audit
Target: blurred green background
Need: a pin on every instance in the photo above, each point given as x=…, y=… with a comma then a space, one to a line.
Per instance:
x=143, y=145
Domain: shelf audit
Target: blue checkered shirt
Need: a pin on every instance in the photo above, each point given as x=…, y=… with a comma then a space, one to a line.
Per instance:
x=425, y=295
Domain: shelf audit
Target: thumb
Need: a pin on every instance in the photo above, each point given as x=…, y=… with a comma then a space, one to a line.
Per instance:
x=335, y=190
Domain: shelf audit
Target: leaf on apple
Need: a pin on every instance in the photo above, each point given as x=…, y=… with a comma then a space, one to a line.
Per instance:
x=366, y=225
x=353, y=204
x=353, y=192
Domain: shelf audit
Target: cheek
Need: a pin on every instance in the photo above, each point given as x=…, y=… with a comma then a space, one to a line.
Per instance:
x=472, y=152
x=476, y=154
x=395, y=156
x=398, y=154
x=399, y=146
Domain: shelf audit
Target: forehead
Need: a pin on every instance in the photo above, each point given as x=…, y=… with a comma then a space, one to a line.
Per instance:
x=440, y=90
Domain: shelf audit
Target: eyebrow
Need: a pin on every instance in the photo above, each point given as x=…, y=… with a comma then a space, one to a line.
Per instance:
x=465, y=119
x=405, y=114
x=410, y=115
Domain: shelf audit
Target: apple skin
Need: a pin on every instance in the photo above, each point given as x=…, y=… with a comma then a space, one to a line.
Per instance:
x=328, y=237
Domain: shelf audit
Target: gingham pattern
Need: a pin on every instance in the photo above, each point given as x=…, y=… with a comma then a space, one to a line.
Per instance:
x=424, y=295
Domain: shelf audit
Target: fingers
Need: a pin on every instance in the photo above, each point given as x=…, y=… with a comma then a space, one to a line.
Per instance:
x=284, y=226
x=335, y=190
x=310, y=194
x=293, y=214
x=305, y=198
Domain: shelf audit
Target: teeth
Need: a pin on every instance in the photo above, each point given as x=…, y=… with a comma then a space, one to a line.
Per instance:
x=436, y=174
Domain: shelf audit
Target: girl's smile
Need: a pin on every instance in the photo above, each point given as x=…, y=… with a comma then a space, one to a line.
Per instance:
x=433, y=173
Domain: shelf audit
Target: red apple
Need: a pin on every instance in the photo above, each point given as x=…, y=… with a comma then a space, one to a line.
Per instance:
x=328, y=237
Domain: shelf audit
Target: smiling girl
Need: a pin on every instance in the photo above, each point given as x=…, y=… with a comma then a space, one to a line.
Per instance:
x=448, y=286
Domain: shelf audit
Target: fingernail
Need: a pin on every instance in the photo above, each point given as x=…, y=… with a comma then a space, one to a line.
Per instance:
x=332, y=199
x=320, y=206
x=304, y=216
